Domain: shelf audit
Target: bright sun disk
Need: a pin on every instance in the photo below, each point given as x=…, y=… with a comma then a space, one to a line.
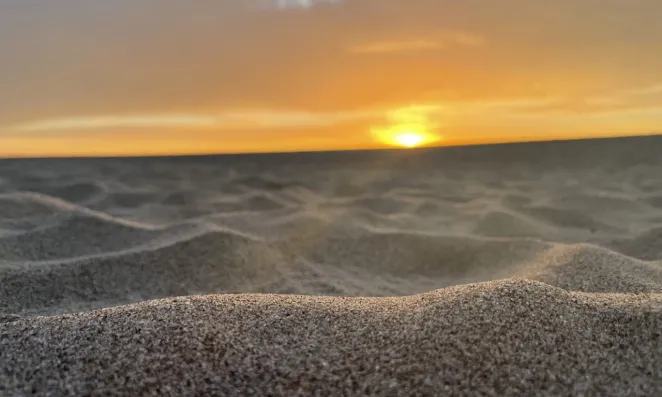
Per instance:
x=409, y=139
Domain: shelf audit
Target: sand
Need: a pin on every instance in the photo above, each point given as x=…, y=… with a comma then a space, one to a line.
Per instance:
x=514, y=270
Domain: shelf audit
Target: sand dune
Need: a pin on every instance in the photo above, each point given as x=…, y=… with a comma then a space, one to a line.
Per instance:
x=510, y=337
x=531, y=269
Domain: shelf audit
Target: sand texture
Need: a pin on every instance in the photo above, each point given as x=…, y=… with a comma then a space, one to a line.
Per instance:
x=508, y=270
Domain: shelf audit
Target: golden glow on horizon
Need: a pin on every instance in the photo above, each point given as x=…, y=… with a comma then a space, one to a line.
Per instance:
x=247, y=131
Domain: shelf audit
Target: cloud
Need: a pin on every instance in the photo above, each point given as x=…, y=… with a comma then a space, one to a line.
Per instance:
x=231, y=120
x=428, y=113
x=91, y=123
x=653, y=89
x=395, y=46
x=256, y=119
x=632, y=100
x=440, y=40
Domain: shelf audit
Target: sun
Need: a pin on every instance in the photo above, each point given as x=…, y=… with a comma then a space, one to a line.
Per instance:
x=406, y=138
x=409, y=139
x=409, y=127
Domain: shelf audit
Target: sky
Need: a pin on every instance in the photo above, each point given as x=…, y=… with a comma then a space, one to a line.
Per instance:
x=142, y=77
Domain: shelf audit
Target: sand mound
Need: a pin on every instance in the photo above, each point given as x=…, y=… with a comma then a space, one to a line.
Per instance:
x=646, y=246
x=505, y=224
x=149, y=272
x=566, y=218
x=85, y=235
x=126, y=200
x=15, y=206
x=255, y=203
x=497, y=338
x=81, y=193
x=594, y=269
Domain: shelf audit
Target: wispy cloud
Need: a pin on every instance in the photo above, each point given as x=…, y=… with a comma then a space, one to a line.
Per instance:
x=88, y=123
x=238, y=120
x=463, y=38
x=395, y=46
x=257, y=119
x=649, y=90
x=437, y=41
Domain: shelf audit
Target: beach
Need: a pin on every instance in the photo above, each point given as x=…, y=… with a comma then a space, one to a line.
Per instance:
x=531, y=269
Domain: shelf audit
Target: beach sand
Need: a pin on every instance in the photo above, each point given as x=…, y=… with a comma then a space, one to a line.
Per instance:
x=507, y=270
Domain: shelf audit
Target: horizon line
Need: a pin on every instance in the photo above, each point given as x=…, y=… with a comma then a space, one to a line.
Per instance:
x=520, y=140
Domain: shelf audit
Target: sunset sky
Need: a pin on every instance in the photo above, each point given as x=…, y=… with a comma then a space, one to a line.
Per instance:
x=138, y=77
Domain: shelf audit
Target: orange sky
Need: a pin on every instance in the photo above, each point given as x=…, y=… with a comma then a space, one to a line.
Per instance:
x=169, y=76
